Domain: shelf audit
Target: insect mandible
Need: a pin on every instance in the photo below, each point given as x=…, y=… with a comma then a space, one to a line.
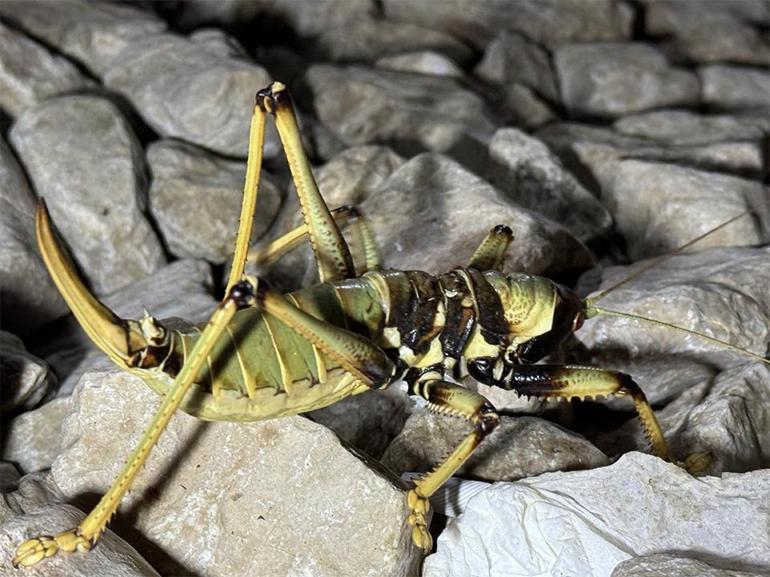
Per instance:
x=357, y=332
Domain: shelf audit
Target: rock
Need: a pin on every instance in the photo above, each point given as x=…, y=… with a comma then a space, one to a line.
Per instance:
x=551, y=22
x=9, y=478
x=219, y=42
x=683, y=128
x=669, y=565
x=368, y=422
x=367, y=39
x=587, y=522
x=648, y=200
x=93, y=186
x=720, y=33
x=193, y=14
x=33, y=439
x=611, y=80
x=26, y=379
x=273, y=498
x=524, y=108
x=520, y=447
x=29, y=73
x=112, y=557
x=365, y=106
x=188, y=90
x=181, y=289
x=95, y=35
x=311, y=19
x=717, y=292
x=524, y=169
x=734, y=88
x=431, y=215
x=28, y=297
x=196, y=197
x=425, y=62
x=510, y=58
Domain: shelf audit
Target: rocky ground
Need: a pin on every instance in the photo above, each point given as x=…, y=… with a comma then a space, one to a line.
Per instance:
x=604, y=133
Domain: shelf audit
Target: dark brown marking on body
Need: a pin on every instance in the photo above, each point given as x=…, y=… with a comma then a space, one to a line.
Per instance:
x=491, y=319
x=421, y=325
x=459, y=319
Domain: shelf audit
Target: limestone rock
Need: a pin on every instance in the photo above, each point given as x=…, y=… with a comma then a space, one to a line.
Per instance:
x=735, y=88
x=29, y=73
x=196, y=197
x=672, y=565
x=24, y=379
x=9, y=478
x=424, y=62
x=187, y=90
x=278, y=497
x=93, y=186
x=524, y=169
x=520, y=447
x=525, y=108
x=28, y=297
x=94, y=34
x=550, y=22
x=587, y=522
x=610, y=80
x=32, y=440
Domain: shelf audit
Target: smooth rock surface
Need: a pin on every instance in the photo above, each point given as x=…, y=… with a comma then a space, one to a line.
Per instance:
x=187, y=90
x=278, y=497
x=611, y=80
x=93, y=186
x=424, y=62
x=364, y=106
x=94, y=34
x=670, y=565
x=25, y=380
x=431, y=215
x=28, y=297
x=520, y=447
x=510, y=58
x=587, y=522
x=29, y=73
x=196, y=197
x=735, y=88
x=525, y=108
x=718, y=292
x=113, y=556
x=648, y=201
x=33, y=439
x=549, y=22
x=525, y=169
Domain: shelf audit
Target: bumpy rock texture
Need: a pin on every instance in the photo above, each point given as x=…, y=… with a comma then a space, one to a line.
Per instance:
x=602, y=133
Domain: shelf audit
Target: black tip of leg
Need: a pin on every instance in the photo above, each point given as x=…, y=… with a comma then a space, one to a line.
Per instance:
x=503, y=229
x=242, y=294
x=273, y=97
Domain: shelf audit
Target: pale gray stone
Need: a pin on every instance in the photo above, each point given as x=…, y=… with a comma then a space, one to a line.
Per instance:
x=28, y=297
x=511, y=58
x=649, y=200
x=33, y=439
x=525, y=169
x=548, y=22
x=192, y=14
x=683, y=128
x=219, y=42
x=188, y=90
x=29, y=73
x=196, y=198
x=714, y=32
x=721, y=293
x=525, y=108
x=25, y=380
x=113, y=556
x=279, y=497
x=670, y=565
x=520, y=447
x=431, y=215
x=368, y=39
x=84, y=159
x=610, y=80
x=92, y=33
x=587, y=522
x=735, y=88
x=312, y=18
x=366, y=106
x=425, y=62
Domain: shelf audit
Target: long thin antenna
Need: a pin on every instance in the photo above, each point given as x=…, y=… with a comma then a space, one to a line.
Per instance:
x=656, y=261
x=599, y=310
